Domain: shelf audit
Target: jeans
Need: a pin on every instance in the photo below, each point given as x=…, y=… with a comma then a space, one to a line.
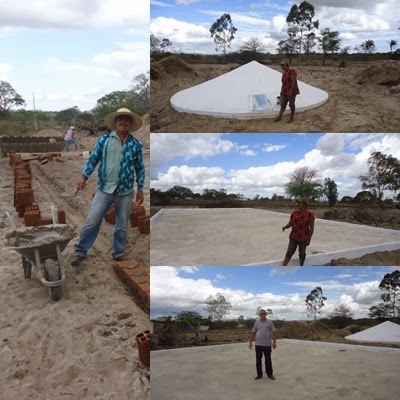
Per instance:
x=268, y=362
x=100, y=205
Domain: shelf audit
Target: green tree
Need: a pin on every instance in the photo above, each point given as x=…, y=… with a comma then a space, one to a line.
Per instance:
x=383, y=174
x=217, y=307
x=300, y=22
x=382, y=310
x=303, y=183
x=179, y=192
x=392, y=44
x=329, y=42
x=367, y=47
x=140, y=90
x=67, y=116
x=330, y=191
x=346, y=199
x=9, y=98
x=310, y=40
x=315, y=300
x=223, y=32
x=390, y=284
x=157, y=45
x=192, y=318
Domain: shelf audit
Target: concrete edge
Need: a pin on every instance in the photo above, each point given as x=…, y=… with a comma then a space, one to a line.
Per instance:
x=325, y=258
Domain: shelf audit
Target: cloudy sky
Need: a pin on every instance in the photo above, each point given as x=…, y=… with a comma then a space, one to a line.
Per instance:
x=187, y=22
x=283, y=290
x=254, y=164
x=71, y=52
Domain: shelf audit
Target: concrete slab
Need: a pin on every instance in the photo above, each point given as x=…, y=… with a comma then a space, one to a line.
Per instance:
x=303, y=370
x=247, y=92
x=254, y=237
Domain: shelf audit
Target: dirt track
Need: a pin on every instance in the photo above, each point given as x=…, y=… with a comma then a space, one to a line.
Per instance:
x=352, y=107
x=83, y=346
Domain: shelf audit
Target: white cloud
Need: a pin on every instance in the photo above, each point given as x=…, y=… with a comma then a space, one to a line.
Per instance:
x=271, y=148
x=248, y=153
x=160, y=3
x=331, y=144
x=5, y=72
x=342, y=276
x=186, y=2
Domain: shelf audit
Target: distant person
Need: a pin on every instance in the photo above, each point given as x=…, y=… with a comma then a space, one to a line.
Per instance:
x=121, y=161
x=69, y=138
x=289, y=91
x=263, y=330
x=302, y=224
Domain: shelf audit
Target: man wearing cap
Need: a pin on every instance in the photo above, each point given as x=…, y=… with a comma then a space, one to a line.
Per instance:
x=121, y=161
x=302, y=224
x=289, y=91
x=70, y=139
x=263, y=330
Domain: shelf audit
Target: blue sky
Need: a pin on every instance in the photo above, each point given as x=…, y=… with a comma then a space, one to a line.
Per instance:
x=71, y=53
x=186, y=22
x=256, y=163
x=284, y=290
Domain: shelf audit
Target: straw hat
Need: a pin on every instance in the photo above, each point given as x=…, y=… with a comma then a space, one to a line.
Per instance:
x=109, y=120
x=285, y=62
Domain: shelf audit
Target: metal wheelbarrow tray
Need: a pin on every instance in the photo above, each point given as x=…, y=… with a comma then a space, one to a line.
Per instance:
x=41, y=247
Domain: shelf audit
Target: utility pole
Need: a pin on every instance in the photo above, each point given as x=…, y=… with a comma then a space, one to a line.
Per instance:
x=34, y=113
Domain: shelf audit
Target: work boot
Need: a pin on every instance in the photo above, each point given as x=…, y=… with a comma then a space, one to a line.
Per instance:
x=258, y=377
x=271, y=377
x=77, y=260
x=122, y=258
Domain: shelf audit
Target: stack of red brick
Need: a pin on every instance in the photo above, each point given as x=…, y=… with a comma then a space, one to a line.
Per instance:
x=138, y=218
x=24, y=200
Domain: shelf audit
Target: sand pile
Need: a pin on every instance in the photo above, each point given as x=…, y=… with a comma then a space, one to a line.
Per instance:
x=385, y=73
x=303, y=330
x=172, y=67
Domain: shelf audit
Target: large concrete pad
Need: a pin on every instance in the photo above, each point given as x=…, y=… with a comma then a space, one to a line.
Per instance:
x=232, y=236
x=232, y=95
x=303, y=370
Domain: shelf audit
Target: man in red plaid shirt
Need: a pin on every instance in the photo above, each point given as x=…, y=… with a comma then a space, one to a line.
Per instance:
x=302, y=223
x=289, y=91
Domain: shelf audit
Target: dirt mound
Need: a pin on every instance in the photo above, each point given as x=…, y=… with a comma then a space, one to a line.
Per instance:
x=385, y=73
x=48, y=132
x=303, y=330
x=383, y=258
x=172, y=67
x=143, y=134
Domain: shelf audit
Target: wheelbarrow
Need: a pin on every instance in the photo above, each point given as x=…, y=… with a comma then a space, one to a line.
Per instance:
x=41, y=248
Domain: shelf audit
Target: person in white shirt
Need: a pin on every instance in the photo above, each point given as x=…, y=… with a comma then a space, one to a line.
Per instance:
x=70, y=139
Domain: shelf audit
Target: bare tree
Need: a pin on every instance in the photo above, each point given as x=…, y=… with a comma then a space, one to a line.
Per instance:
x=342, y=311
x=254, y=45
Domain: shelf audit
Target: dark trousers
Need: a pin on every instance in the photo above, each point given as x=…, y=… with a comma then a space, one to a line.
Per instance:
x=268, y=362
x=288, y=99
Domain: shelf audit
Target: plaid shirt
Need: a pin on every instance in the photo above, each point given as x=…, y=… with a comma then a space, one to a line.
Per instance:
x=287, y=82
x=301, y=221
x=131, y=163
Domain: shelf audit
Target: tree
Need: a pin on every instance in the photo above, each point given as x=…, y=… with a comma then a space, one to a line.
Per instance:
x=157, y=45
x=310, y=40
x=342, y=311
x=367, y=47
x=217, y=306
x=346, y=199
x=392, y=44
x=141, y=90
x=67, y=116
x=315, y=301
x=189, y=317
x=383, y=174
x=179, y=192
x=330, y=191
x=391, y=285
x=9, y=98
x=253, y=45
x=223, y=32
x=382, y=310
x=303, y=183
x=300, y=22
x=345, y=51
x=329, y=42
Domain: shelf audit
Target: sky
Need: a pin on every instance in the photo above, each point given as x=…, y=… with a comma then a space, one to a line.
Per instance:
x=187, y=22
x=72, y=52
x=283, y=290
x=258, y=164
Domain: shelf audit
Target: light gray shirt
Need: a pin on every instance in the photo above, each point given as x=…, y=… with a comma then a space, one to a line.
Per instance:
x=263, y=331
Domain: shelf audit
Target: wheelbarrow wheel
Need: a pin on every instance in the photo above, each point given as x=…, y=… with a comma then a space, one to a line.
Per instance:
x=52, y=274
x=27, y=268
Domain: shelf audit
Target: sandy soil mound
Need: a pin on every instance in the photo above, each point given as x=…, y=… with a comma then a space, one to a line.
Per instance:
x=48, y=132
x=385, y=72
x=173, y=67
x=376, y=259
x=302, y=330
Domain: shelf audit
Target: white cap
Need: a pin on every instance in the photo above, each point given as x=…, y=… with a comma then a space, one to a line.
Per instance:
x=72, y=127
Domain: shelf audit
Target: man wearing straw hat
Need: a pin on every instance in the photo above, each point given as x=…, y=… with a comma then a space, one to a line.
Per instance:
x=289, y=91
x=121, y=161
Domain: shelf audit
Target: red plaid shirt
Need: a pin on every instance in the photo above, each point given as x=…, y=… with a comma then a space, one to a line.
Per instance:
x=301, y=221
x=287, y=83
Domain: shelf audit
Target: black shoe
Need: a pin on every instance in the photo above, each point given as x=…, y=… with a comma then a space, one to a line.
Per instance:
x=77, y=260
x=122, y=258
x=258, y=377
x=271, y=377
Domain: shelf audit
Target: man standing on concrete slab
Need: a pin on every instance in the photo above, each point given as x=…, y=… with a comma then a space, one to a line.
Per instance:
x=289, y=91
x=302, y=223
x=121, y=159
x=263, y=330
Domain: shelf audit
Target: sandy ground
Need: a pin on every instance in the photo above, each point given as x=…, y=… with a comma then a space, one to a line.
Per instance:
x=303, y=370
x=242, y=236
x=351, y=107
x=83, y=346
